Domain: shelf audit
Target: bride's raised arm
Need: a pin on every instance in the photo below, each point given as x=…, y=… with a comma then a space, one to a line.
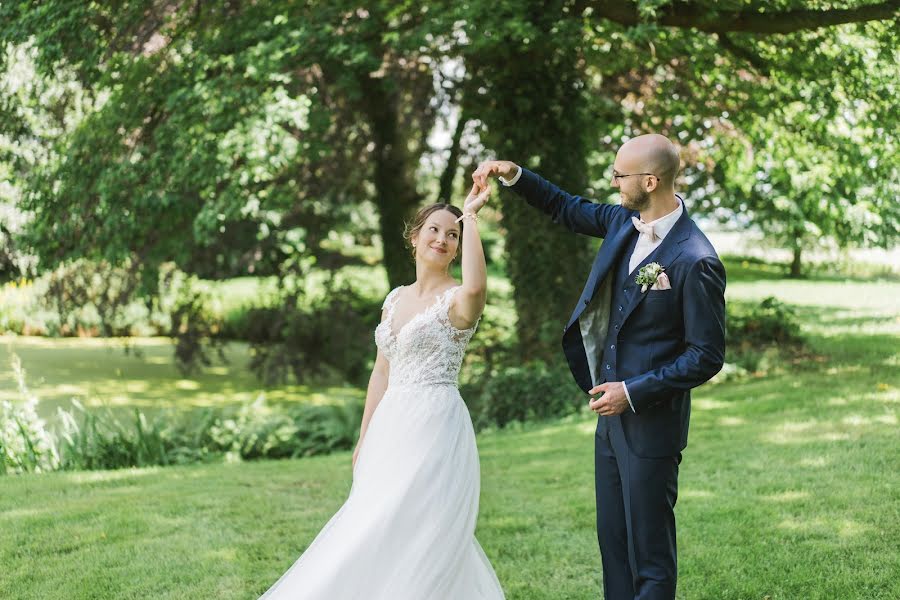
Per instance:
x=468, y=303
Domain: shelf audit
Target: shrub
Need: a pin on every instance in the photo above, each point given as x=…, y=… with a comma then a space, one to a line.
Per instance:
x=752, y=325
x=757, y=334
x=25, y=443
x=21, y=311
x=533, y=391
x=84, y=298
x=96, y=298
x=256, y=431
x=192, y=324
x=97, y=440
x=332, y=336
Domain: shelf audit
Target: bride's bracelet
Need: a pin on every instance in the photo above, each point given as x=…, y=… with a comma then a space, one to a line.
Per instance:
x=468, y=215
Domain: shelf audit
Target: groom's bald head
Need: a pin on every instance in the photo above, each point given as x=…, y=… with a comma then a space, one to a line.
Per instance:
x=651, y=153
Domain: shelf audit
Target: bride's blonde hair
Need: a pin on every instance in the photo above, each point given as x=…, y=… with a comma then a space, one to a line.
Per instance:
x=413, y=227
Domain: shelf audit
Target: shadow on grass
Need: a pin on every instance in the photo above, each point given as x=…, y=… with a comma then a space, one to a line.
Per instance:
x=750, y=268
x=862, y=337
x=746, y=268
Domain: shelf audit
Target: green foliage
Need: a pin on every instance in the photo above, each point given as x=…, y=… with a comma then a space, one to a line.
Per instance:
x=528, y=392
x=90, y=439
x=231, y=125
x=304, y=430
x=94, y=298
x=231, y=139
x=192, y=324
x=101, y=442
x=791, y=134
x=228, y=140
x=306, y=337
x=759, y=324
x=20, y=312
x=801, y=461
x=88, y=299
x=761, y=336
x=25, y=443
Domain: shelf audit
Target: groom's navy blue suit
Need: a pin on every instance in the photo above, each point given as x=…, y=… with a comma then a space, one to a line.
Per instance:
x=660, y=343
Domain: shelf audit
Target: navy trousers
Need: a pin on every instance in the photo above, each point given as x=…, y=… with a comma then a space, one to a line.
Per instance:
x=635, y=518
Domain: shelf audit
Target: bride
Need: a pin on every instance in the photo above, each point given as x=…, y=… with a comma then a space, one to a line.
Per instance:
x=407, y=529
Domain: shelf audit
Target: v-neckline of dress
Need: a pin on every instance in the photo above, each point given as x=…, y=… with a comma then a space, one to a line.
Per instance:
x=390, y=320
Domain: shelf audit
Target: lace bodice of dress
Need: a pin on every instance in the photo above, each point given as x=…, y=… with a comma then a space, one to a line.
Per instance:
x=426, y=350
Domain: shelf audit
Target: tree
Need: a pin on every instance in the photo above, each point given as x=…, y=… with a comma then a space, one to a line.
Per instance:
x=227, y=139
x=790, y=113
x=244, y=134
x=704, y=73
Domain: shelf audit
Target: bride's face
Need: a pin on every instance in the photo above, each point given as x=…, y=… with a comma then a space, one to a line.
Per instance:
x=438, y=240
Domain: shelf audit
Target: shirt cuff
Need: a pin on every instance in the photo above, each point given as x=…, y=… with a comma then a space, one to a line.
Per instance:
x=628, y=397
x=513, y=180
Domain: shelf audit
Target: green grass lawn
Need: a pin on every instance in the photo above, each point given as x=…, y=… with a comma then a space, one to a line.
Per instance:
x=99, y=373
x=788, y=489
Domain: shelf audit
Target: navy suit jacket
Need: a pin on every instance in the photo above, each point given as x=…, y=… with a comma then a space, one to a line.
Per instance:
x=669, y=341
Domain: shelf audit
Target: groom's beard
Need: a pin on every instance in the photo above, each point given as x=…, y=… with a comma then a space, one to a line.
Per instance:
x=638, y=201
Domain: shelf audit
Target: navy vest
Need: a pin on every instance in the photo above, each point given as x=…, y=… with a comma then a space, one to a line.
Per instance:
x=623, y=291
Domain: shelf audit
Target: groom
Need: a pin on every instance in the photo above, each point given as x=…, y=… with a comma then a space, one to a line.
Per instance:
x=649, y=326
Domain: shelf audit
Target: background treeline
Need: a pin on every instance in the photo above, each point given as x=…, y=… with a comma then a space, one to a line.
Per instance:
x=242, y=171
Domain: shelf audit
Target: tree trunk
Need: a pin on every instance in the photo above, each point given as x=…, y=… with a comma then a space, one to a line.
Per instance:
x=445, y=191
x=395, y=192
x=537, y=120
x=796, y=271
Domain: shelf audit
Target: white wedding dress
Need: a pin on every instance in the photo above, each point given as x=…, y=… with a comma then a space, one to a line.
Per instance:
x=407, y=529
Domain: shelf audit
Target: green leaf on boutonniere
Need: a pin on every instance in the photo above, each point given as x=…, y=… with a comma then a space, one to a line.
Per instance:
x=648, y=274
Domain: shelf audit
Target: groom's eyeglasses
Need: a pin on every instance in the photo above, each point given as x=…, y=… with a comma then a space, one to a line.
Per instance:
x=618, y=177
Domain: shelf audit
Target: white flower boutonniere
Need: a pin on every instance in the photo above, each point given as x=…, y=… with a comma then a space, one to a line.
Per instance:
x=652, y=275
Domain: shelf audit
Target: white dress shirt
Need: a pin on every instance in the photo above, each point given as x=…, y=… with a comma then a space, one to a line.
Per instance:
x=513, y=180
x=644, y=246
x=661, y=228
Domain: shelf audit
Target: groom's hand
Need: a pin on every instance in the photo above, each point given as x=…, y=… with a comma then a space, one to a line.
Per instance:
x=494, y=168
x=612, y=401
x=476, y=198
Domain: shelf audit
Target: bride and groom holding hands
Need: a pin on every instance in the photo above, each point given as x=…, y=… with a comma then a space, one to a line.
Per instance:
x=648, y=326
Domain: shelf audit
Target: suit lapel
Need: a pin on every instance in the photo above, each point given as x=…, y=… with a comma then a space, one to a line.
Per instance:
x=665, y=255
x=609, y=252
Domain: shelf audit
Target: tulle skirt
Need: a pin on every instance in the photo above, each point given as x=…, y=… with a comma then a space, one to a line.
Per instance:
x=407, y=529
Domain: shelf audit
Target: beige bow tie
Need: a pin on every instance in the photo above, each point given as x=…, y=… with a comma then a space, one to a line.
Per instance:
x=644, y=228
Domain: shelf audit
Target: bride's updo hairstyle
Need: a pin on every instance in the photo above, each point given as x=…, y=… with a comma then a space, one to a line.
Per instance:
x=413, y=227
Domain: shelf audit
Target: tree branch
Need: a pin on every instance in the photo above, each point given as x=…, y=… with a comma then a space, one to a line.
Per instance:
x=753, y=59
x=445, y=191
x=703, y=18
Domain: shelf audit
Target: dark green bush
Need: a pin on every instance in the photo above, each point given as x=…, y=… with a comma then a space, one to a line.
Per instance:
x=533, y=391
x=757, y=334
x=330, y=337
x=192, y=324
x=306, y=430
x=251, y=324
x=755, y=325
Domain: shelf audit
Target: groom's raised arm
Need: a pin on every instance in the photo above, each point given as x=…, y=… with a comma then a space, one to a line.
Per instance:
x=573, y=212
